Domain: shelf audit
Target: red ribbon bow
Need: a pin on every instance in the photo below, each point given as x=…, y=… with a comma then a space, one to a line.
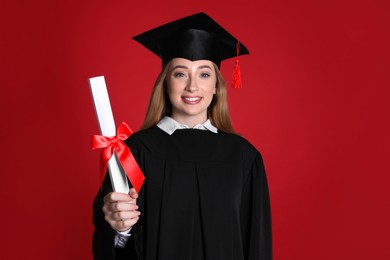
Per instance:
x=126, y=158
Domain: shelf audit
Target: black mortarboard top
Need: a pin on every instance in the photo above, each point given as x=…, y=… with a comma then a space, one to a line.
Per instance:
x=195, y=37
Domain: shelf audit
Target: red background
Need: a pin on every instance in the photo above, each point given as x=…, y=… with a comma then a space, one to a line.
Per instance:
x=315, y=102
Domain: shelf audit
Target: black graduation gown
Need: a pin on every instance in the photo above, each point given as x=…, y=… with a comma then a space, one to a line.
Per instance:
x=205, y=197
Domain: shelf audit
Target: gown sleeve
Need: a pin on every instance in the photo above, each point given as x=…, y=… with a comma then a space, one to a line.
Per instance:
x=103, y=240
x=103, y=236
x=256, y=213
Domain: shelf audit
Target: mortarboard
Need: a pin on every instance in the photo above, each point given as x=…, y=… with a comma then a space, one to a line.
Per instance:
x=195, y=37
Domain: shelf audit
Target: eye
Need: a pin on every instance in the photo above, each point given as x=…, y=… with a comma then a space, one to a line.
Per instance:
x=178, y=74
x=205, y=75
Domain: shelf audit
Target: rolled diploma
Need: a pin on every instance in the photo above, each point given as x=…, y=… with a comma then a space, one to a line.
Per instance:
x=107, y=128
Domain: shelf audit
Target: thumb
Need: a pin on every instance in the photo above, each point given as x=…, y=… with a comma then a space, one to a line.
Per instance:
x=133, y=194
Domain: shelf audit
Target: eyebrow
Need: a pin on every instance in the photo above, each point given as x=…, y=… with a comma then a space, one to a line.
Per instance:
x=179, y=67
x=204, y=67
x=185, y=67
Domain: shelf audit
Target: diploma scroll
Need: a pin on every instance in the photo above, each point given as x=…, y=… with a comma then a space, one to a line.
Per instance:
x=107, y=128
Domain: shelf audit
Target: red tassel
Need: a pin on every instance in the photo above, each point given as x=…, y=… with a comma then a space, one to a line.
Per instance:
x=236, y=78
x=236, y=81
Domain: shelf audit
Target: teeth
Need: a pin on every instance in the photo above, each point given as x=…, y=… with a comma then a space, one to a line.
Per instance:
x=192, y=99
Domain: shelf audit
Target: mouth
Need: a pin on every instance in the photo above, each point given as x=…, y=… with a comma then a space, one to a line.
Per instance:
x=191, y=100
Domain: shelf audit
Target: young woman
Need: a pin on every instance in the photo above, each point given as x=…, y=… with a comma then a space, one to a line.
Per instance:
x=205, y=194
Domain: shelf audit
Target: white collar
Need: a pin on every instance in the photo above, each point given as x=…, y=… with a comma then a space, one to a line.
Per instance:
x=170, y=125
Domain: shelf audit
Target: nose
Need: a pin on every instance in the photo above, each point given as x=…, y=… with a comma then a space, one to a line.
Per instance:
x=191, y=85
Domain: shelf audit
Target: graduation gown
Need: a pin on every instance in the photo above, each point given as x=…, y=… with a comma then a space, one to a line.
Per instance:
x=205, y=197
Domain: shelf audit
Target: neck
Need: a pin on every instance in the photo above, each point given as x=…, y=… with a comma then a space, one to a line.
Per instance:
x=190, y=121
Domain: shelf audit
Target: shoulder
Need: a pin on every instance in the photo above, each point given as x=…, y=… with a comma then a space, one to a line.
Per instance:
x=145, y=138
x=143, y=134
x=247, y=150
x=237, y=140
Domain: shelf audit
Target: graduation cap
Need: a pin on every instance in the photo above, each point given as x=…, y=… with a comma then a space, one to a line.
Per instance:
x=195, y=37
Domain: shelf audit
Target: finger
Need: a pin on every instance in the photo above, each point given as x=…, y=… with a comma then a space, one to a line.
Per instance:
x=116, y=196
x=124, y=225
x=109, y=207
x=120, y=225
x=124, y=215
x=133, y=194
x=122, y=221
x=114, y=217
x=123, y=206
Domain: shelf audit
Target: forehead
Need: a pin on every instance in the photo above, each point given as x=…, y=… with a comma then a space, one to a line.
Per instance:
x=191, y=64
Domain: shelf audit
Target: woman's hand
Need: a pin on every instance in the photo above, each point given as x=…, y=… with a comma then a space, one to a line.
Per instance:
x=121, y=210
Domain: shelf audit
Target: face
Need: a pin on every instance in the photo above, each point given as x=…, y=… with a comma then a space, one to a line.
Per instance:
x=190, y=87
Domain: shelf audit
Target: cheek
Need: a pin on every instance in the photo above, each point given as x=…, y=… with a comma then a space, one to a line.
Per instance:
x=171, y=96
x=214, y=86
x=209, y=95
x=212, y=89
x=174, y=86
x=173, y=92
x=170, y=89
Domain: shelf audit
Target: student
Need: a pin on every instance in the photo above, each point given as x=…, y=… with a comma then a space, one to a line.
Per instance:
x=205, y=195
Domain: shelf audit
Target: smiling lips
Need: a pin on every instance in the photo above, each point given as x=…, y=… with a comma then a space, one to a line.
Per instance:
x=191, y=100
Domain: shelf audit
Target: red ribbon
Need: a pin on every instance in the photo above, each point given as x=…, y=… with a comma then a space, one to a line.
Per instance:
x=126, y=158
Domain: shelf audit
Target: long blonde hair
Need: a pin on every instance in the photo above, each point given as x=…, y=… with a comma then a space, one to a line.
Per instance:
x=160, y=106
